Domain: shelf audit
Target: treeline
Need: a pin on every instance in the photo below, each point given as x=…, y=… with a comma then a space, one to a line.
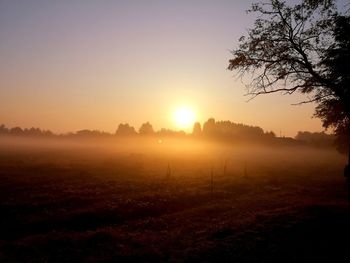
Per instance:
x=317, y=139
x=211, y=129
x=225, y=131
x=18, y=131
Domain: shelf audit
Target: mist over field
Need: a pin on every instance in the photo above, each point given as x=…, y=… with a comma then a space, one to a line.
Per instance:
x=172, y=200
x=201, y=152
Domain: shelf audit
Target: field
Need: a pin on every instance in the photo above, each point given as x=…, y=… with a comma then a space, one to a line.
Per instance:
x=173, y=202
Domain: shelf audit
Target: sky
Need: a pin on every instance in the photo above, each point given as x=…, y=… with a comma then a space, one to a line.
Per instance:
x=85, y=64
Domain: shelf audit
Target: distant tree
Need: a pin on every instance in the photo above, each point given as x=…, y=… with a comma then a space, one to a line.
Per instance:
x=270, y=134
x=146, y=129
x=16, y=131
x=300, y=48
x=319, y=139
x=209, y=127
x=168, y=133
x=125, y=130
x=33, y=132
x=197, y=130
x=84, y=133
x=227, y=130
x=24, y=132
x=48, y=133
x=91, y=133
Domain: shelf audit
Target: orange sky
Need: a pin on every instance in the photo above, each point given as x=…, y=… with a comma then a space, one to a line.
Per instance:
x=71, y=65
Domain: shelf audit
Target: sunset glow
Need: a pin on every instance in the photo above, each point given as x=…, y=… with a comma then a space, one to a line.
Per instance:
x=130, y=62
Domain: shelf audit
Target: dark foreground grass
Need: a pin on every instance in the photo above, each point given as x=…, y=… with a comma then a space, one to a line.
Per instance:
x=69, y=206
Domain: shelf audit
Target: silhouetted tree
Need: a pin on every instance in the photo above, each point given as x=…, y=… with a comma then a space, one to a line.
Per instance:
x=16, y=131
x=91, y=133
x=197, y=130
x=47, y=133
x=335, y=109
x=125, y=130
x=209, y=127
x=270, y=134
x=319, y=139
x=146, y=129
x=33, y=132
x=300, y=48
x=168, y=132
x=229, y=131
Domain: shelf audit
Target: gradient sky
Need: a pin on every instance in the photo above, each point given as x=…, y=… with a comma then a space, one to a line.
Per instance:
x=69, y=65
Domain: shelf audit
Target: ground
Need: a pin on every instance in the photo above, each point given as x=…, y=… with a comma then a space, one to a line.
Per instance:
x=236, y=205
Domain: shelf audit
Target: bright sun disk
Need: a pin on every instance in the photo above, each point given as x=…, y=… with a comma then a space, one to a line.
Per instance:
x=184, y=117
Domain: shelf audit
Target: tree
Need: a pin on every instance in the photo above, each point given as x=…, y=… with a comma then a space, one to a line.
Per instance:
x=209, y=127
x=334, y=111
x=146, y=129
x=16, y=131
x=318, y=139
x=299, y=48
x=33, y=132
x=125, y=130
x=197, y=130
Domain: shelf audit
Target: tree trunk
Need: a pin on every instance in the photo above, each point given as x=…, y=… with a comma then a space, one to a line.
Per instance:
x=349, y=155
x=347, y=174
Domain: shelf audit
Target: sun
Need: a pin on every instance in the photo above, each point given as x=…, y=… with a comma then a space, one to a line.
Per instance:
x=184, y=117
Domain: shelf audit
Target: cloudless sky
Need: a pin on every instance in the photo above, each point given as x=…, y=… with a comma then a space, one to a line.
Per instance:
x=69, y=65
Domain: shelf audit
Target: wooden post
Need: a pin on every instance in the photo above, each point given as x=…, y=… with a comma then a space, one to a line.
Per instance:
x=211, y=182
x=168, y=172
x=225, y=166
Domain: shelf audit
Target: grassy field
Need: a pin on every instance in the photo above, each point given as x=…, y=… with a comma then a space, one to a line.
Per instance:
x=174, y=203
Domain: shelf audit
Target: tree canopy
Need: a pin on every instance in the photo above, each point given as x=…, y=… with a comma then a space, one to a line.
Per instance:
x=303, y=48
